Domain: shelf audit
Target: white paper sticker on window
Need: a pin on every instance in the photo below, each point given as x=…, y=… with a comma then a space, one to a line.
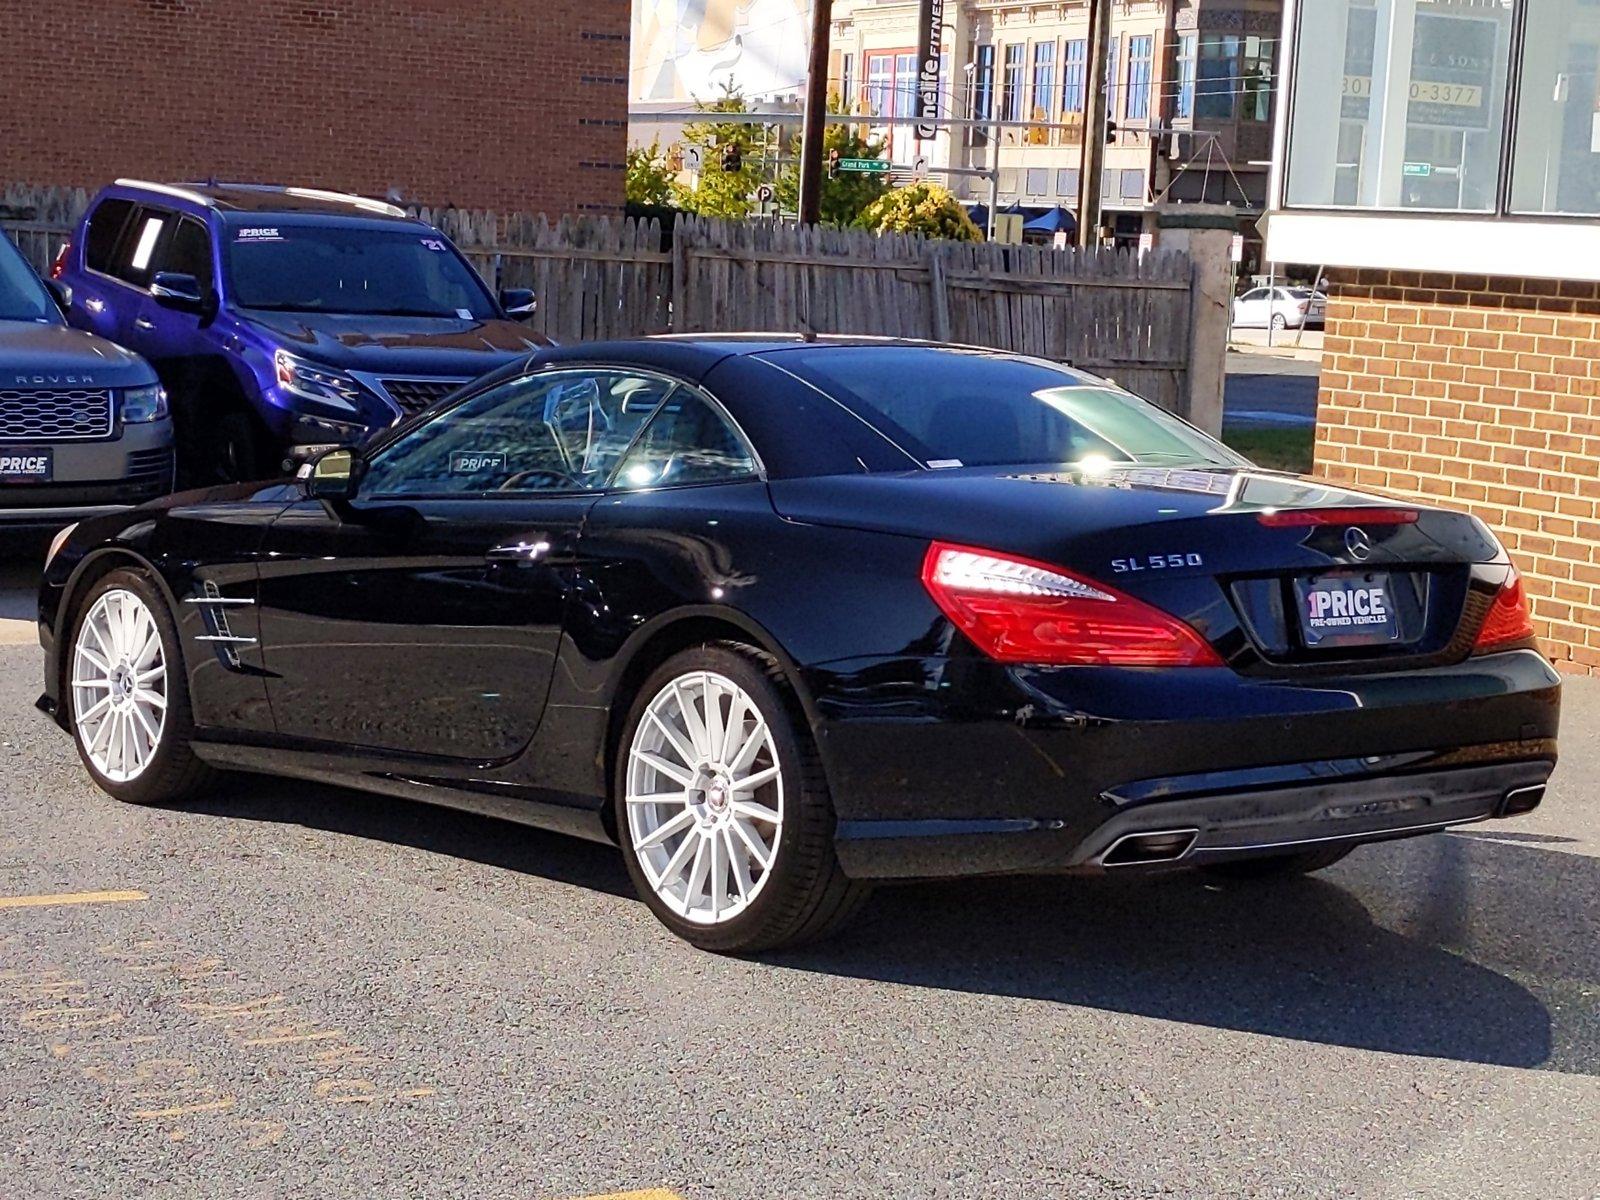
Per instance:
x=943, y=464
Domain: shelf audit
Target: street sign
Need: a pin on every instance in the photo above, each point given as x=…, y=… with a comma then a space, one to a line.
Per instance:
x=1147, y=243
x=865, y=166
x=1417, y=170
x=765, y=193
x=692, y=159
x=1236, y=250
x=919, y=169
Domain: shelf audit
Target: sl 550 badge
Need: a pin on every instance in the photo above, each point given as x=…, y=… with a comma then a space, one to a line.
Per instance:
x=1156, y=562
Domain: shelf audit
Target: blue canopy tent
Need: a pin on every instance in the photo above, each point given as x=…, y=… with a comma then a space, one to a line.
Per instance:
x=1052, y=221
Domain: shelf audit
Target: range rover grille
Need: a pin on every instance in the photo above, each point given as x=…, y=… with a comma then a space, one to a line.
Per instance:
x=54, y=414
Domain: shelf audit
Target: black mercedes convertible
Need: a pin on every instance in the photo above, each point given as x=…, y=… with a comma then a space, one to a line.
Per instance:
x=781, y=617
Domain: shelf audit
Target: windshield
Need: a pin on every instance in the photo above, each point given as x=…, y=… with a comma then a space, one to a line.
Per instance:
x=22, y=296
x=954, y=408
x=344, y=268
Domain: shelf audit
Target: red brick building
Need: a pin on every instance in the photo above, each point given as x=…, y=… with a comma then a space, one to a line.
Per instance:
x=1441, y=159
x=505, y=104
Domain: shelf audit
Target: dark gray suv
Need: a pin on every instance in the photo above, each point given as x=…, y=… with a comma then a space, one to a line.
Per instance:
x=84, y=426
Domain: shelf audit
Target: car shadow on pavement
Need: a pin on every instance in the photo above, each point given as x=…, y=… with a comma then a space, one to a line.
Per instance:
x=431, y=828
x=1479, y=945
x=1447, y=946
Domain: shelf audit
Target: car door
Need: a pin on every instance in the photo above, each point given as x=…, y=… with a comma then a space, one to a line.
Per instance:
x=1251, y=309
x=423, y=616
x=132, y=266
x=99, y=298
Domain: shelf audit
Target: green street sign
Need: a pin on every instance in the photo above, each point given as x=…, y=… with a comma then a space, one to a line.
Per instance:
x=1417, y=170
x=865, y=166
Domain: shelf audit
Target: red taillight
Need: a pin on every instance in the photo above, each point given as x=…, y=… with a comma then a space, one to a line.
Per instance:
x=58, y=268
x=1509, y=619
x=1018, y=611
x=1298, y=517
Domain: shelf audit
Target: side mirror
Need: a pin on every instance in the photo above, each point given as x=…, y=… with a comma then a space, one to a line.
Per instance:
x=60, y=293
x=173, y=289
x=519, y=303
x=334, y=475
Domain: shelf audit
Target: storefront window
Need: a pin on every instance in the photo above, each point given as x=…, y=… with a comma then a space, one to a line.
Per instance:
x=1556, y=168
x=1419, y=89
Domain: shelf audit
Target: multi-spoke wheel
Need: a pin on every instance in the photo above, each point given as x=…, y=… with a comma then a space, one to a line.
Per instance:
x=119, y=685
x=129, y=705
x=722, y=808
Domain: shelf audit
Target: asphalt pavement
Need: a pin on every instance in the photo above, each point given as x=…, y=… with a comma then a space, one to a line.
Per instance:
x=1262, y=390
x=288, y=991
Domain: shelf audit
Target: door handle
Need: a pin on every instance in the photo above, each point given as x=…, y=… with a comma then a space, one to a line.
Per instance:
x=142, y=323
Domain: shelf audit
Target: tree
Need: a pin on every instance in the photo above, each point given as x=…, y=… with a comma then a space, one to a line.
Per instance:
x=649, y=178
x=924, y=208
x=844, y=198
x=717, y=192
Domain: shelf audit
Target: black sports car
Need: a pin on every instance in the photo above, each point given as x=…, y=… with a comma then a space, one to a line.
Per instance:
x=783, y=617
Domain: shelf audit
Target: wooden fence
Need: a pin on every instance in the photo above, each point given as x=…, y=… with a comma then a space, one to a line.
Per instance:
x=1114, y=312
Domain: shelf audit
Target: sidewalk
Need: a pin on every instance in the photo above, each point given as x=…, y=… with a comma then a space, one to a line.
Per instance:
x=1303, y=346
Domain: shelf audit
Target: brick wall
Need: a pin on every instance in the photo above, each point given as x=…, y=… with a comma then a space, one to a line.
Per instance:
x=506, y=104
x=1482, y=393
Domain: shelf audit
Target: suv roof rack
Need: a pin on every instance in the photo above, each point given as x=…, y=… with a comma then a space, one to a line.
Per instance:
x=167, y=189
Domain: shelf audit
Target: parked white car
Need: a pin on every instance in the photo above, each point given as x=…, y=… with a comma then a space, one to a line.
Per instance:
x=1279, y=308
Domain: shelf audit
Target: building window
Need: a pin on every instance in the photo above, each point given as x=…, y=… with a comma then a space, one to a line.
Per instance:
x=880, y=85
x=1067, y=182
x=1044, y=79
x=982, y=91
x=1132, y=186
x=1417, y=130
x=1556, y=164
x=1011, y=88
x=1256, y=82
x=1141, y=52
x=1113, y=91
x=1218, y=80
x=1037, y=180
x=1187, y=45
x=1073, y=73
x=847, y=82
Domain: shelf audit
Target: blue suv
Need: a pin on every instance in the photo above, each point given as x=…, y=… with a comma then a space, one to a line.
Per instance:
x=283, y=320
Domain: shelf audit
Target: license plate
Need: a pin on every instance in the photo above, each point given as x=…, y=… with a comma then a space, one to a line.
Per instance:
x=27, y=466
x=1348, y=610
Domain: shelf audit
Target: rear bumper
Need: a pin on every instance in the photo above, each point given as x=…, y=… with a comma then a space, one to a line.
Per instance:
x=970, y=768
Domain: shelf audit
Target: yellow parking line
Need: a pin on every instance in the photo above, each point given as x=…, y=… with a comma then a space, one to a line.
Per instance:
x=71, y=898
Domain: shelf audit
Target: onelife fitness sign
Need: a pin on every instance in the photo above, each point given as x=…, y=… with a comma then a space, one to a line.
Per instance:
x=929, y=46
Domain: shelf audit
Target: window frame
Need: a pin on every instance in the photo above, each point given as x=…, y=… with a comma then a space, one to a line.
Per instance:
x=1143, y=65
x=675, y=383
x=1075, y=75
x=208, y=281
x=1288, y=99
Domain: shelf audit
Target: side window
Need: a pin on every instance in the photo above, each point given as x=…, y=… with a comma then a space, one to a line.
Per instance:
x=688, y=441
x=553, y=432
x=188, y=251
x=138, y=249
x=1255, y=294
x=105, y=230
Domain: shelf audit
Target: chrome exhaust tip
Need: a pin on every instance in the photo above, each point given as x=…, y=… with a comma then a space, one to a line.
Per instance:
x=1146, y=849
x=1521, y=800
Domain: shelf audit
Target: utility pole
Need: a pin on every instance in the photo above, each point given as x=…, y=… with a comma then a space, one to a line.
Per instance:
x=812, y=131
x=1094, y=124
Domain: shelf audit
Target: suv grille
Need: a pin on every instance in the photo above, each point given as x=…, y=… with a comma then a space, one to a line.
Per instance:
x=54, y=414
x=414, y=395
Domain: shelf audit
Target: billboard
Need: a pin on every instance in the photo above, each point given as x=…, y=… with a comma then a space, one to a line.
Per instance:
x=693, y=49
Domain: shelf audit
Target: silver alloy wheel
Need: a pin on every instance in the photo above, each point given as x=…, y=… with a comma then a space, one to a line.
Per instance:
x=704, y=797
x=119, y=686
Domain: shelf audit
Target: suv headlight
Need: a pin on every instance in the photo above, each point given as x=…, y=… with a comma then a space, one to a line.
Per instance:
x=142, y=404
x=322, y=384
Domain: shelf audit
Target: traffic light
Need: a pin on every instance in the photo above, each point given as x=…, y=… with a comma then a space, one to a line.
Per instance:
x=833, y=164
x=732, y=158
x=1111, y=132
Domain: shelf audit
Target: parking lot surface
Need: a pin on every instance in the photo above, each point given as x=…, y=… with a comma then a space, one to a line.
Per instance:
x=285, y=990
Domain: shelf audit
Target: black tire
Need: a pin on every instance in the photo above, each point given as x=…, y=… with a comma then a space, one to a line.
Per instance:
x=173, y=774
x=1279, y=866
x=807, y=896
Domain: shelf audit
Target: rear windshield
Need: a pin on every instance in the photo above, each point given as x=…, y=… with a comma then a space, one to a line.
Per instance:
x=22, y=296
x=341, y=268
x=952, y=408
